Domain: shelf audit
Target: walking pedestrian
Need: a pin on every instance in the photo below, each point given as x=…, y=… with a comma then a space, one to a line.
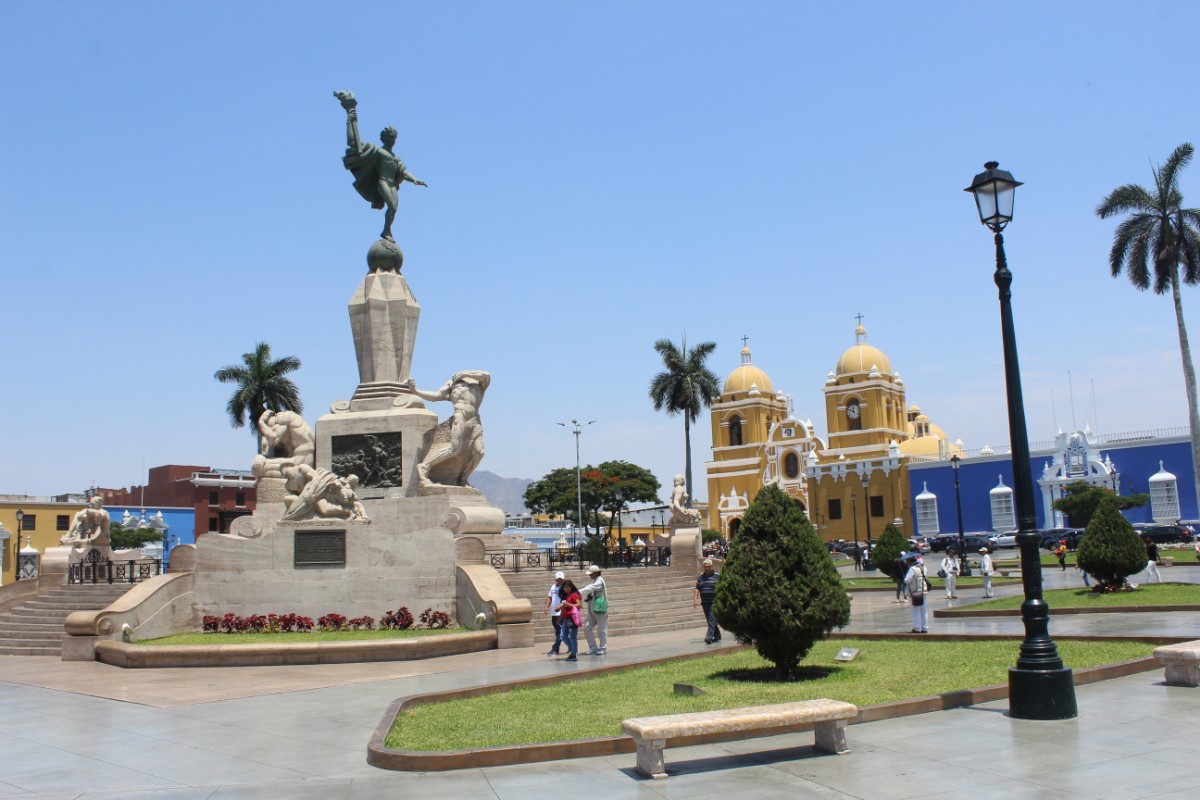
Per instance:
x=595, y=627
x=1152, y=562
x=706, y=591
x=949, y=571
x=917, y=583
x=986, y=570
x=1060, y=553
x=571, y=601
x=858, y=558
x=554, y=608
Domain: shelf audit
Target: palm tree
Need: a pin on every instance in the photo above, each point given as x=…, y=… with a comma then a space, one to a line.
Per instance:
x=261, y=384
x=685, y=387
x=1160, y=229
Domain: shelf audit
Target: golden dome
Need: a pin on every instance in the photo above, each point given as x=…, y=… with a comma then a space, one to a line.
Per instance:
x=860, y=358
x=747, y=376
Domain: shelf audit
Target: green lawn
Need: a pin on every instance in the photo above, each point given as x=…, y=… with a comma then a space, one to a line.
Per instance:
x=1154, y=594
x=294, y=638
x=1187, y=556
x=884, y=671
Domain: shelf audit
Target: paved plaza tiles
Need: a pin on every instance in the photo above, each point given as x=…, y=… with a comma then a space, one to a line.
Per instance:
x=88, y=730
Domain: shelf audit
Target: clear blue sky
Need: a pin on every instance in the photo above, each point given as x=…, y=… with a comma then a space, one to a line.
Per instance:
x=600, y=176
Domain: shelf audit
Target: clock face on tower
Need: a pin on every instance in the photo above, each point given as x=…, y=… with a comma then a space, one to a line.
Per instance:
x=853, y=416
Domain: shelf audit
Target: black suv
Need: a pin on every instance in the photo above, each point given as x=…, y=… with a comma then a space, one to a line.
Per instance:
x=972, y=543
x=1165, y=534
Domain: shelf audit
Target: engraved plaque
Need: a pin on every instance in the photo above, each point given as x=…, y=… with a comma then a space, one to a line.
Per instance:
x=375, y=458
x=320, y=549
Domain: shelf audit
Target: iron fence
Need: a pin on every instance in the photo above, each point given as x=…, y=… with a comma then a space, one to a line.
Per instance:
x=551, y=559
x=95, y=568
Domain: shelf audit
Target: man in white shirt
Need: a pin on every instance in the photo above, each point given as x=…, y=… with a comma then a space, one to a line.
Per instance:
x=950, y=566
x=985, y=569
x=595, y=627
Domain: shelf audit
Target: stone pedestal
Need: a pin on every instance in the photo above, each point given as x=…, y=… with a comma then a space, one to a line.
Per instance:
x=383, y=317
x=686, y=549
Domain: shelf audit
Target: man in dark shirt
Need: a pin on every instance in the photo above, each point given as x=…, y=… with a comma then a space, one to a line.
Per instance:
x=1152, y=562
x=706, y=590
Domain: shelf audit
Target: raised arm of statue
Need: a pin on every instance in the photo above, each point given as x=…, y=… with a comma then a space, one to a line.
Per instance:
x=353, y=141
x=441, y=394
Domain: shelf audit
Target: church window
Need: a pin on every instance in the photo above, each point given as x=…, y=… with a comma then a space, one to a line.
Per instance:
x=735, y=431
x=835, y=509
x=791, y=466
x=876, y=505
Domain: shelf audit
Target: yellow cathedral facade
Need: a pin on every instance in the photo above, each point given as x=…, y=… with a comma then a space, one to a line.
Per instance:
x=855, y=480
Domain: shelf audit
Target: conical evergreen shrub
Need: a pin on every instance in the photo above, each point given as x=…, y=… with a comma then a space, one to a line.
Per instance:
x=1110, y=550
x=888, y=547
x=779, y=590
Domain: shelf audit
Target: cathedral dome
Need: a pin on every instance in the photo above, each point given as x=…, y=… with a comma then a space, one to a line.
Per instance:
x=746, y=376
x=862, y=357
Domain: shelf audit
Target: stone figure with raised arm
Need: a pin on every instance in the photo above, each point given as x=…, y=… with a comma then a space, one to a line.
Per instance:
x=457, y=446
x=681, y=515
x=90, y=526
x=378, y=171
x=285, y=440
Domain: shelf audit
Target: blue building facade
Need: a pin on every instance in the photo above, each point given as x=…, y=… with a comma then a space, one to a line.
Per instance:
x=1124, y=462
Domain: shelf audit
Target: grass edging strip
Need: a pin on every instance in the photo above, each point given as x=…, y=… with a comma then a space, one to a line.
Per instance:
x=379, y=755
x=133, y=656
x=1059, y=611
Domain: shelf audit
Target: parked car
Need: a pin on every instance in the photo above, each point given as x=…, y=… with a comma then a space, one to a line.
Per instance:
x=1052, y=536
x=1004, y=540
x=1165, y=534
x=971, y=542
x=919, y=543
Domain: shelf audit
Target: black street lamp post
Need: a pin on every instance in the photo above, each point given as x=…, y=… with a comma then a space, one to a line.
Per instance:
x=1040, y=686
x=955, y=462
x=858, y=558
x=866, y=483
x=17, y=546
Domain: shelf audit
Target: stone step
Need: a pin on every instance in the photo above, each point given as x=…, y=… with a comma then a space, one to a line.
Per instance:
x=16, y=627
x=49, y=640
x=39, y=650
x=26, y=611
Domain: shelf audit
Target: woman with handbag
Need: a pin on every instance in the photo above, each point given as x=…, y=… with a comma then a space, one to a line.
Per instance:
x=949, y=571
x=571, y=618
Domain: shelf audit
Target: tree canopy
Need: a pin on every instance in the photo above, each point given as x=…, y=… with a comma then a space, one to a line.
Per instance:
x=261, y=383
x=1110, y=550
x=1081, y=499
x=608, y=489
x=779, y=589
x=685, y=387
x=888, y=547
x=1157, y=237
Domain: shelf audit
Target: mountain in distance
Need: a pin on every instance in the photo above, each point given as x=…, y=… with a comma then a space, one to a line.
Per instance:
x=506, y=494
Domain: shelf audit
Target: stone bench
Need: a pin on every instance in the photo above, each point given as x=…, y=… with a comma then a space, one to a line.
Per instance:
x=651, y=733
x=1182, y=662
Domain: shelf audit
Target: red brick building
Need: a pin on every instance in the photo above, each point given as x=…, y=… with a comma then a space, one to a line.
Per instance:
x=219, y=496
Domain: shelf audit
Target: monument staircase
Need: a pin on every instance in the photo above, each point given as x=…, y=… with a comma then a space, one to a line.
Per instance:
x=641, y=599
x=35, y=628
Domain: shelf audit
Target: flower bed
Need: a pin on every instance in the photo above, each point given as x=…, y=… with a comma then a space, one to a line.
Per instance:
x=399, y=620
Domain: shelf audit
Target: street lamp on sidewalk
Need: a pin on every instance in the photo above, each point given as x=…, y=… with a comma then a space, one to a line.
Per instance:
x=1040, y=686
x=858, y=557
x=577, y=428
x=962, y=550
